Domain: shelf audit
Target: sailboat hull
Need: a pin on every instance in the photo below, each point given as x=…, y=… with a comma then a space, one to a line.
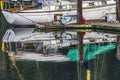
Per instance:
x=32, y=16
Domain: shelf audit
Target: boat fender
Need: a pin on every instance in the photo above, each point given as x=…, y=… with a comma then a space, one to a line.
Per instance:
x=12, y=59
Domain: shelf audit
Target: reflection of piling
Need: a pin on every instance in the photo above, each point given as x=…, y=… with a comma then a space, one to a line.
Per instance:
x=3, y=68
x=3, y=62
x=118, y=47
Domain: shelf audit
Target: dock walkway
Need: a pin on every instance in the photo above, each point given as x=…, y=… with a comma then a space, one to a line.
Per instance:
x=107, y=24
x=106, y=27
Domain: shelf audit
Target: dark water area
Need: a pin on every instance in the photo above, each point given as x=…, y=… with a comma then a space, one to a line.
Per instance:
x=32, y=70
x=104, y=67
x=113, y=67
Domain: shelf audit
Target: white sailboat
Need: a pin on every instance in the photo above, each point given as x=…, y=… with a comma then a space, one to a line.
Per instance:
x=59, y=13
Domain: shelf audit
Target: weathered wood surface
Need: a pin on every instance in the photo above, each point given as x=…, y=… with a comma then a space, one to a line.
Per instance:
x=107, y=24
x=118, y=47
x=97, y=26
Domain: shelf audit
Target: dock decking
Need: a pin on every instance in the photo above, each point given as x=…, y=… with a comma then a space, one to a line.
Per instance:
x=96, y=26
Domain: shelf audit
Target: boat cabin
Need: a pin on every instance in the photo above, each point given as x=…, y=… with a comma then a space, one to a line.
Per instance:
x=17, y=5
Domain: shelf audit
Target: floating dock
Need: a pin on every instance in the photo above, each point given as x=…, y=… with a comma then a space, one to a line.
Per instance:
x=97, y=26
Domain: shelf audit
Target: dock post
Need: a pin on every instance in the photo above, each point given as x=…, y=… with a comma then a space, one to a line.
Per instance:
x=3, y=60
x=1, y=5
x=79, y=34
x=80, y=43
x=80, y=40
x=3, y=68
x=118, y=47
x=118, y=9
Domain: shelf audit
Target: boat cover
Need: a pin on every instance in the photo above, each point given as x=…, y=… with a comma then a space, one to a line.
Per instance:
x=90, y=51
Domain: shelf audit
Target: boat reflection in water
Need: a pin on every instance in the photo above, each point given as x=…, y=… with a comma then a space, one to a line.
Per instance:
x=57, y=57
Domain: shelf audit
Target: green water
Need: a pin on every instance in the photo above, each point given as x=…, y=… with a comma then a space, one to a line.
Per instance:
x=103, y=67
x=90, y=51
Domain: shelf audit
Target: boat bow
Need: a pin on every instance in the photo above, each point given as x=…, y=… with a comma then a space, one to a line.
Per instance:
x=8, y=16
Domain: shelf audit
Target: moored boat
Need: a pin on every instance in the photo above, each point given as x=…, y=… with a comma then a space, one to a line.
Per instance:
x=58, y=13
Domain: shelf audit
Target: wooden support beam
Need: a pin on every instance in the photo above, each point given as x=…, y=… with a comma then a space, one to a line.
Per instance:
x=79, y=11
x=118, y=9
x=113, y=28
x=79, y=34
x=118, y=47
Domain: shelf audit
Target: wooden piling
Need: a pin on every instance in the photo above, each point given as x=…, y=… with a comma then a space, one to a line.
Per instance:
x=79, y=34
x=118, y=9
x=118, y=47
x=3, y=69
x=3, y=62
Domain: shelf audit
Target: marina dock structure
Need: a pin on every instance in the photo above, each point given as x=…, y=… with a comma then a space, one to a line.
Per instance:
x=97, y=26
x=79, y=27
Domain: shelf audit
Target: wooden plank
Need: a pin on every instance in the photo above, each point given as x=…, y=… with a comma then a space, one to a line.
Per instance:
x=106, y=24
x=118, y=9
x=99, y=26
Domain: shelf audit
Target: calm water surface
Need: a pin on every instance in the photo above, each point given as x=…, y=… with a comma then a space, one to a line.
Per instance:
x=108, y=68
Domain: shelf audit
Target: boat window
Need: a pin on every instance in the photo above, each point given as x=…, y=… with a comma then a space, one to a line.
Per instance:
x=73, y=6
x=91, y=4
x=13, y=4
x=29, y=47
x=60, y=7
x=25, y=2
x=104, y=2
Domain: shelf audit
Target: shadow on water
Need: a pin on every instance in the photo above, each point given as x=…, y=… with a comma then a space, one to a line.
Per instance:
x=32, y=70
x=108, y=69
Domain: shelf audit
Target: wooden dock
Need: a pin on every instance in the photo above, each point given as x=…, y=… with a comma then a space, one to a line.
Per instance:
x=105, y=27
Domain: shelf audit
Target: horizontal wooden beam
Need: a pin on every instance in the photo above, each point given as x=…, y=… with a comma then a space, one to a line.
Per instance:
x=102, y=27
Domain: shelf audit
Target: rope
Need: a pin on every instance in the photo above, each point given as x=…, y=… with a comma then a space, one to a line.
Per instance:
x=38, y=68
x=15, y=66
x=18, y=72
